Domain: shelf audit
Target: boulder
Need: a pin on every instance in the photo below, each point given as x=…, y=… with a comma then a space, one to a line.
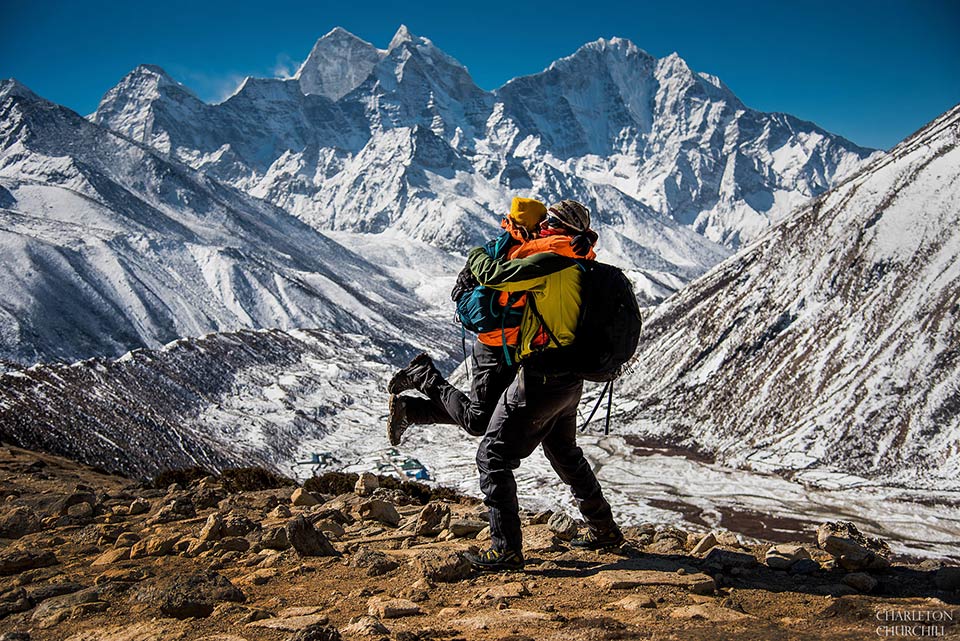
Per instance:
x=380, y=511
x=18, y=521
x=705, y=544
x=126, y=539
x=374, y=562
x=563, y=526
x=628, y=579
x=540, y=539
x=366, y=626
x=465, y=527
x=442, y=566
x=112, y=556
x=330, y=528
x=139, y=506
x=212, y=529
x=432, y=519
x=504, y=591
x=238, y=525
x=302, y=498
x=634, y=602
x=852, y=550
x=725, y=558
x=280, y=512
x=804, y=566
x=307, y=540
x=20, y=559
x=275, y=538
x=49, y=609
x=177, y=509
x=781, y=557
x=80, y=511
x=195, y=595
x=82, y=494
x=366, y=484
x=161, y=545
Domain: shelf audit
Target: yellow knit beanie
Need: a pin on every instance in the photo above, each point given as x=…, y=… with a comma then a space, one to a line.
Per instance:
x=527, y=213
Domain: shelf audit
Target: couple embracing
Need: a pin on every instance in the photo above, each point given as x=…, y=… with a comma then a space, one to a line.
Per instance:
x=518, y=398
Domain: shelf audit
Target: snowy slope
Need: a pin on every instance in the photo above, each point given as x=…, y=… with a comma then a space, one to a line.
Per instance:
x=656, y=149
x=107, y=246
x=830, y=343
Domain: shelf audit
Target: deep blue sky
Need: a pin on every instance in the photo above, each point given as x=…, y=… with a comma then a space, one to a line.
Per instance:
x=873, y=71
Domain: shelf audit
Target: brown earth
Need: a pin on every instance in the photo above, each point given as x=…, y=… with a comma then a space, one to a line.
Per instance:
x=66, y=573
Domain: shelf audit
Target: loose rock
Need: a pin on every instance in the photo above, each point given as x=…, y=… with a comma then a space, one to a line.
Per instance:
x=781, y=557
x=367, y=626
x=563, y=526
x=442, y=566
x=307, y=540
x=392, y=608
x=378, y=510
x=20, y=559
x=851, y=548
x=302, y=498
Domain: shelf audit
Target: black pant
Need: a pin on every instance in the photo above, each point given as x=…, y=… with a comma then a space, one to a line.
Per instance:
x=536, y=411
x=448, y=405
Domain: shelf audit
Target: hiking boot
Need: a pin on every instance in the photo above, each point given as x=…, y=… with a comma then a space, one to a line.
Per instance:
x=599, y=540
x=494, y=560
x=398, y=421
x=418, y=375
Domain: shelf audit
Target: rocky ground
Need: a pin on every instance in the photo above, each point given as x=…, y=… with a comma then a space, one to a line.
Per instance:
x=90, y=557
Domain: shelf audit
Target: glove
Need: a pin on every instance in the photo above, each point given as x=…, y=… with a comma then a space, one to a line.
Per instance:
x=583, y=242
x=465, y=283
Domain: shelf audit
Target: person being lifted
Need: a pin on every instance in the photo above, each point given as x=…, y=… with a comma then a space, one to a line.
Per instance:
x=493, y=361
x=539, y=407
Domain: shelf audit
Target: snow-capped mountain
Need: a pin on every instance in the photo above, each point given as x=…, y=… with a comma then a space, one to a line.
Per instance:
x=830, y=343
x=366, y=139
x=108, y=245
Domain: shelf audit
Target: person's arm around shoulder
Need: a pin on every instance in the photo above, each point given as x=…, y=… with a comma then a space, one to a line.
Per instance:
x=518, y=274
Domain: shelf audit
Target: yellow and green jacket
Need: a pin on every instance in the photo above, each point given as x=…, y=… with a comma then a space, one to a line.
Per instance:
x=544, y=269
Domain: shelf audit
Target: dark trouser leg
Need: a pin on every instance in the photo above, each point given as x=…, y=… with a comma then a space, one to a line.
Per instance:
x=568, y=461
x=491, y=375
x=523, y=417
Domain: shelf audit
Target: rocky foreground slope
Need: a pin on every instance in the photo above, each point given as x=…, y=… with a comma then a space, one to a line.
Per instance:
x=92, y=557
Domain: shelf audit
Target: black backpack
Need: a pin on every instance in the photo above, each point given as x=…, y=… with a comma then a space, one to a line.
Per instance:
x=608, y=328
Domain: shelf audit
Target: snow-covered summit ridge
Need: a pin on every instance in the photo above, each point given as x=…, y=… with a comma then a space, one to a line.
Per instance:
x=650, y=133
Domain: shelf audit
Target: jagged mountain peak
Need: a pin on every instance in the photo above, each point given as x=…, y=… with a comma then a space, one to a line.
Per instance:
x=615, y=44
x=152, y=77
x=402, y=36
x=12, y=86
x=337, y=64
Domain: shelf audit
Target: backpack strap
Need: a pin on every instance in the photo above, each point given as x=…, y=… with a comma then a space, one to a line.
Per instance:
x=543, y=323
